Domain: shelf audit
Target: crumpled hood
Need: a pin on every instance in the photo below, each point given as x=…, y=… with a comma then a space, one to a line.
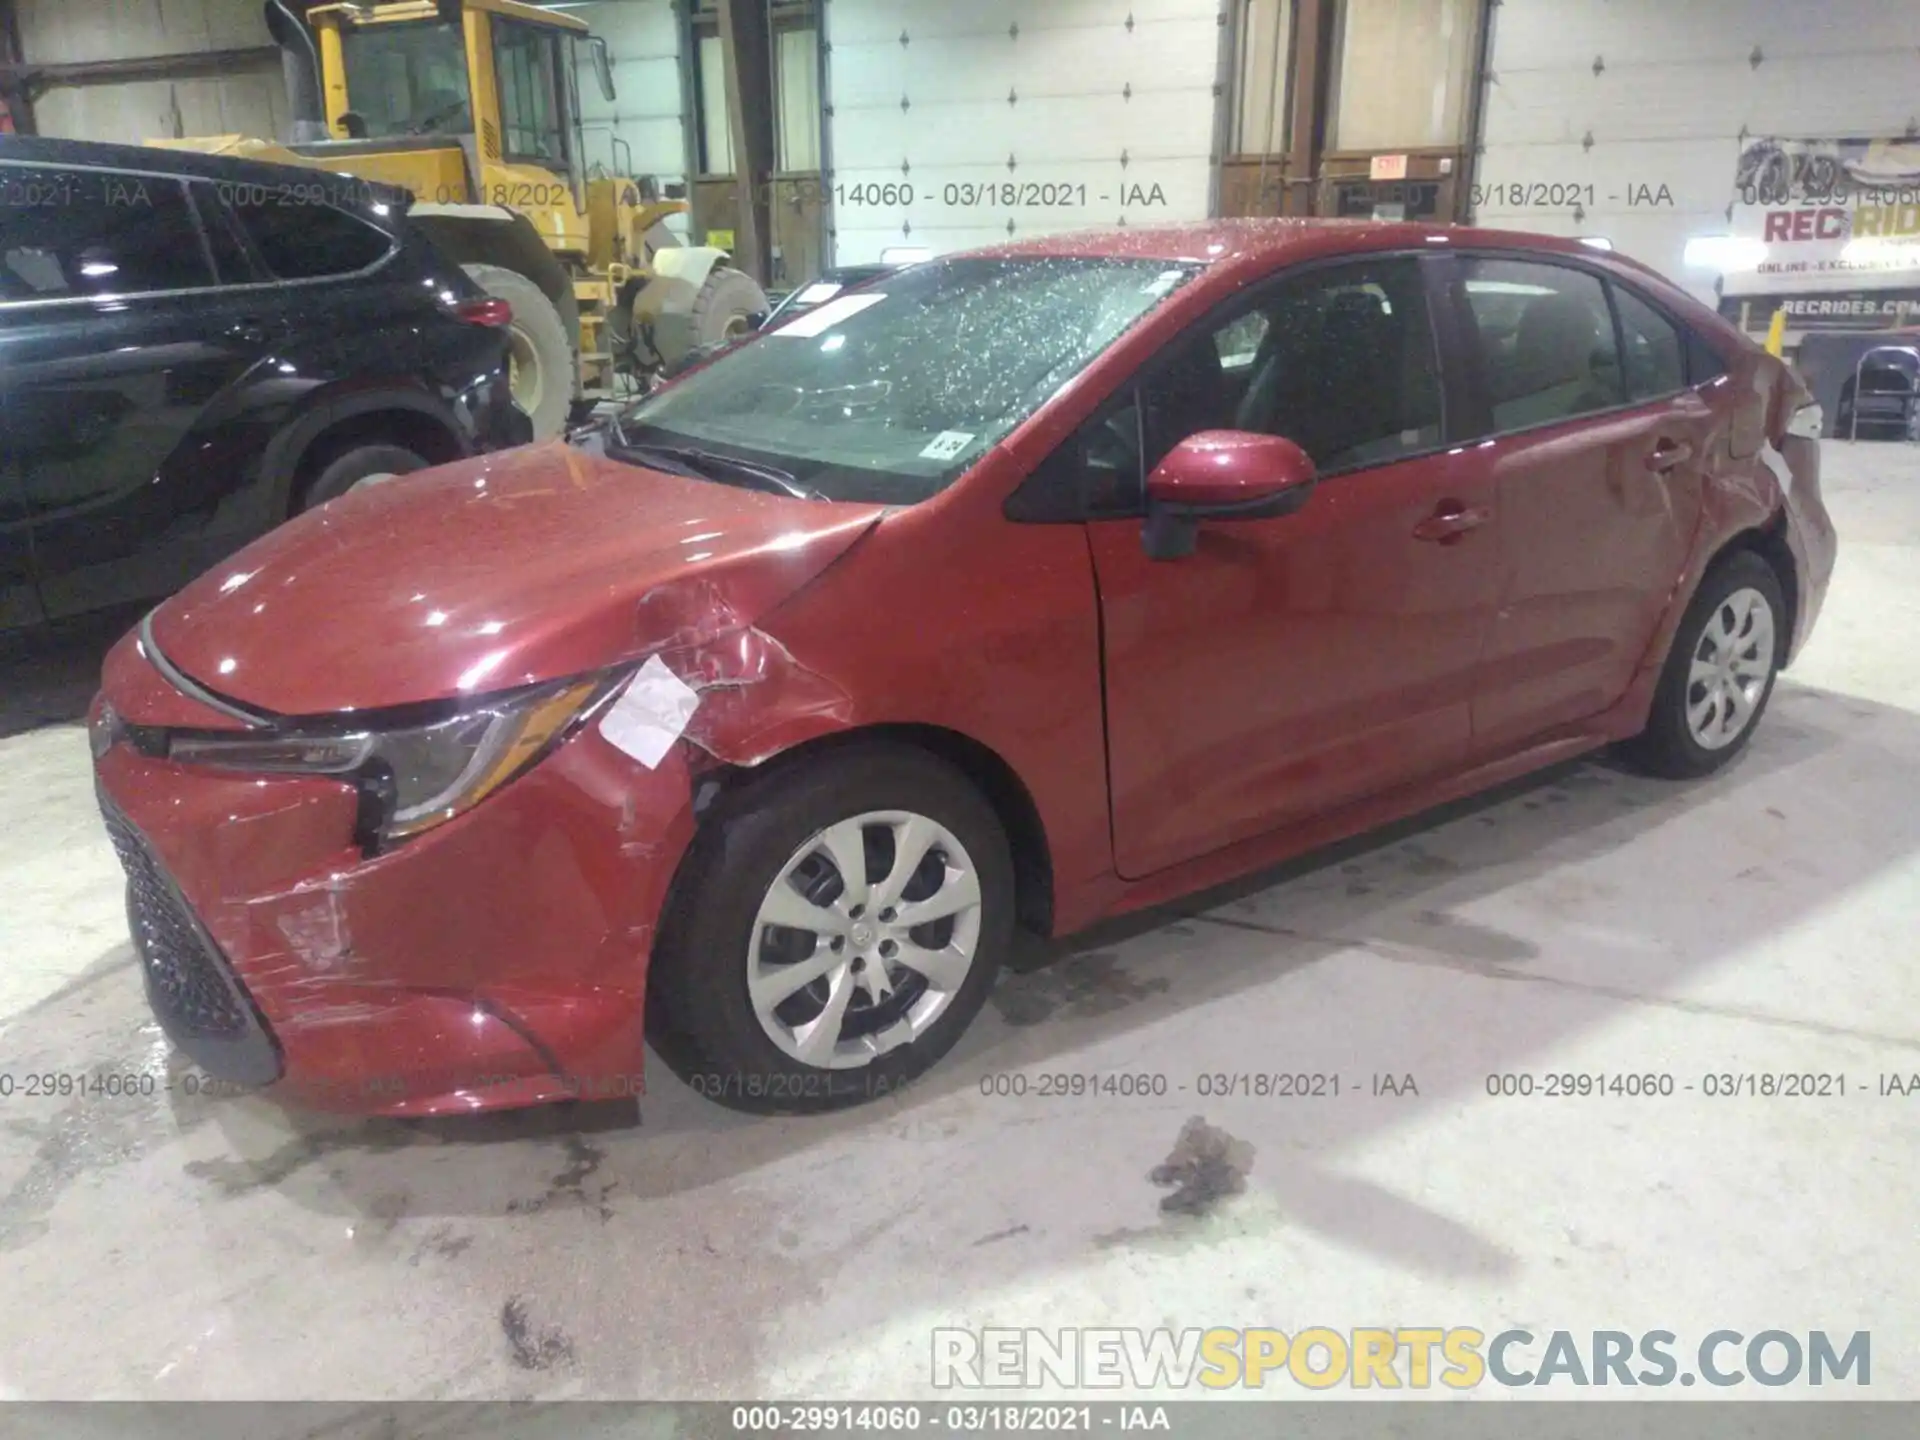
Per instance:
x=528, y=565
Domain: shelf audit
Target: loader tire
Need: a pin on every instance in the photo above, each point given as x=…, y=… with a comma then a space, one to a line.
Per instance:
x=545, y=372
x=725, y=307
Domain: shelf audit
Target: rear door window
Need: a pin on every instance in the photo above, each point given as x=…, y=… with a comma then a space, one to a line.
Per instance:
x=79, y=233
x=1546, y=334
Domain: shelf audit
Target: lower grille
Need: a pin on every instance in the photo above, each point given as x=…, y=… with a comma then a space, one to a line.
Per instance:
x=195, y=995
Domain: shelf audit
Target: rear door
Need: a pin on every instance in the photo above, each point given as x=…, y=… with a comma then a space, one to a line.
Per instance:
x=1596, y=444
x=116, y=346
x=1291, y=665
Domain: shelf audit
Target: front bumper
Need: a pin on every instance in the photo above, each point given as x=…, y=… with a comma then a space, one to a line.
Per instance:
x=495, y=961
x=1810, y=538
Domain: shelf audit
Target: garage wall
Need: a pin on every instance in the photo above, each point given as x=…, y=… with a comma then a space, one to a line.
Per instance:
x=644, y=38
x=957, y=125
x=250, y=102
x=1646, y=101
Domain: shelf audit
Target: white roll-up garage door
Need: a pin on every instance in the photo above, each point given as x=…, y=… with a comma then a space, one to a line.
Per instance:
x=1624, y=118
x=957, y=125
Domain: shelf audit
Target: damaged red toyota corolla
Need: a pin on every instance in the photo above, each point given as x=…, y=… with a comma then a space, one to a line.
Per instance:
x=1019, y=589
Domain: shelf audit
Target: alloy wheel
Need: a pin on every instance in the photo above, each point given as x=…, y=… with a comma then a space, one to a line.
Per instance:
x=864, y=938
x=1732, y=664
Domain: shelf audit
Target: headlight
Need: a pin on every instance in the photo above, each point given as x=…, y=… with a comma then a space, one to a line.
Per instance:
x=423, y=774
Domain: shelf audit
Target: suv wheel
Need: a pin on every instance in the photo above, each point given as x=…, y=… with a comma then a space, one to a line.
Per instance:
x=358, y=465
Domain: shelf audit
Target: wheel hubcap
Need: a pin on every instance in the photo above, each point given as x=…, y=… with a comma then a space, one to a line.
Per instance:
x=1732, y=664
x=864, y=938
x=523, y=371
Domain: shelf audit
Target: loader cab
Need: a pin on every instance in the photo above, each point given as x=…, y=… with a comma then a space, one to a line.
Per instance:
x=465, y=101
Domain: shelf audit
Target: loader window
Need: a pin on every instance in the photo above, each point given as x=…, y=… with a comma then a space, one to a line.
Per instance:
x=528, y=61
x=408, y=79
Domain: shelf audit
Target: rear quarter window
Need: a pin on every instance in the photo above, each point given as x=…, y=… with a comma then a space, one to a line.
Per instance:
x=1703, y=361
x=300, y=240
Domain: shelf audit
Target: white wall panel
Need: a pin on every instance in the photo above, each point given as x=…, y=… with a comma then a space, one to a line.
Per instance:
x=1105, y=109
x=250, y=101
x=245, y=103
x=644, y=40
x=63, y=31
x=1675, y=87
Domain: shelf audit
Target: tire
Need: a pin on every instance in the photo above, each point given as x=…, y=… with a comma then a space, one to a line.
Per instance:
x=1671, y=747
x=701, y=1018
x=723, y=308
x=353, y=465
x=546, y=373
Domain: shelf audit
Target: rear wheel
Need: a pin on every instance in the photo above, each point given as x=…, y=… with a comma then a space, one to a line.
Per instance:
x=1719, y=674
x=838, y=927
x=544, y=371
x=354, y=464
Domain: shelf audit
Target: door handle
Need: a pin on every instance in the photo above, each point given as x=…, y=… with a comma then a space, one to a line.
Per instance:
x=1669, y=455
x=1451, y=521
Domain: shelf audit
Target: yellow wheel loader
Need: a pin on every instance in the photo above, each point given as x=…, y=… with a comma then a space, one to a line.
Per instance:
x=473, y=107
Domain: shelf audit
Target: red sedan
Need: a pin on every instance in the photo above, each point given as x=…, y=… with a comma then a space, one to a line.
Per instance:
x=1019, y=589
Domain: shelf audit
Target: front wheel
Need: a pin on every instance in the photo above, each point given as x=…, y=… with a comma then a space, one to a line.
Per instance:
x=838, y=926
x=1719, y=674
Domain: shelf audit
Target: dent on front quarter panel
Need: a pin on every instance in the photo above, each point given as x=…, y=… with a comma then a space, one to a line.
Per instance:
x=752, y=697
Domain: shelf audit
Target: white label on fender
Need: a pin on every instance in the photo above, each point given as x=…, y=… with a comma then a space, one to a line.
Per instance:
x=947, y=444
x=1777, y=463
x=651, y=714
x=818, y=322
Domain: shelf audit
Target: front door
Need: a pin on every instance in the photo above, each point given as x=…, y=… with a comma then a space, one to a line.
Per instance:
x=1291, y=665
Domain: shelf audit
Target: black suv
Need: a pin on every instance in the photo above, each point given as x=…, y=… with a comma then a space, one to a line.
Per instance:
x=193, y=348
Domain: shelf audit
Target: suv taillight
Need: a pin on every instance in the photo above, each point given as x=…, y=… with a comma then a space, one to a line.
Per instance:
x=497, y=314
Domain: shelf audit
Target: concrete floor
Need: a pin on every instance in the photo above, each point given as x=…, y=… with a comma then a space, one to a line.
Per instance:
x=1592, y=921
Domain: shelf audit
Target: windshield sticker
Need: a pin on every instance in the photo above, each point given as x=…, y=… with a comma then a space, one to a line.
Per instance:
x=947, y=444
x=818, y=322
x=1163, y=282
x=819, y=291
x=652, y=714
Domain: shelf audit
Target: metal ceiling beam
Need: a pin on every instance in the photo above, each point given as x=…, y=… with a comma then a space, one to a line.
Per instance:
x=35, y=78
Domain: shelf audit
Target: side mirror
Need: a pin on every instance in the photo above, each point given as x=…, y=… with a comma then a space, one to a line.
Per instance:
x=602, y=66
x=1222, y=475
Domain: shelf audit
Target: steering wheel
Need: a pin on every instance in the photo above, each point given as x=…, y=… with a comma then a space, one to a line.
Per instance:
x=432, y=119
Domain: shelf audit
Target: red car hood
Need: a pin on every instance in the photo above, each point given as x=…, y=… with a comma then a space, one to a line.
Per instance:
x=528, y=565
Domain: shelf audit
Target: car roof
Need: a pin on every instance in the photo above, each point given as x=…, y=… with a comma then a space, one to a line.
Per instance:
x=163, y=160
x=1240, y=250
x=1219, y=241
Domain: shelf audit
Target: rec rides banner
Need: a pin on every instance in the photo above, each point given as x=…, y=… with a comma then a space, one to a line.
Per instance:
x=1828, y=215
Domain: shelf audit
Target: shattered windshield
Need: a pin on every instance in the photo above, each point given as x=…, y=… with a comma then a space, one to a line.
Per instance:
x=890, y=392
